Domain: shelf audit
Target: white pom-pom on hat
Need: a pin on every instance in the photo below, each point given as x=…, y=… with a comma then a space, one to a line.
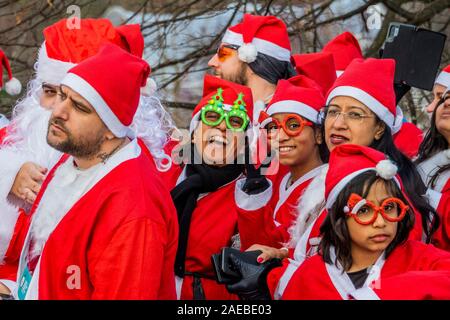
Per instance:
x=386, y=169
x=247, y=52
x=150, y=88
x=13, y=87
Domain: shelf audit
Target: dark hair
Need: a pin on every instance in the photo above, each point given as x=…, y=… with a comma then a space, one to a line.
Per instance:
x=433, y=143
x=323, y=148
x=413, y=184
x=272, y=69
x=334, y=229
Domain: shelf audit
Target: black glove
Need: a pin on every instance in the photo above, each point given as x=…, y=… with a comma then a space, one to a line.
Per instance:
x=253, y=285
x=400, y=91
x=255, y=182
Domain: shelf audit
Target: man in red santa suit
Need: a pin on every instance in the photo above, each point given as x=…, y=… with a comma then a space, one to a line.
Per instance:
x=24, y=153
x=256, y=53
x=103, y=226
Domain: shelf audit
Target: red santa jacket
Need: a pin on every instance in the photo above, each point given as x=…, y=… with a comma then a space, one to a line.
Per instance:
x=213, y=226
x=273, y=210
x=413, y=271
x=121, y=235
x=8, y=269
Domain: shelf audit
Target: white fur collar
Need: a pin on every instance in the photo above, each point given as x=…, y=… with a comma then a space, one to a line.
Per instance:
x=309, y=207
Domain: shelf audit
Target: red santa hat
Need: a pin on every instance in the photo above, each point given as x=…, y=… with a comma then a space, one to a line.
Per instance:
x=318, y=66
x=371, y=82
x=362, y=159
x=444, y=77
x=230, y=94
x=12, y=86
x=264, y=34
x=63, y=48
x=299, y=95
x=408, y=139
x=344, y=49
x=111, y=82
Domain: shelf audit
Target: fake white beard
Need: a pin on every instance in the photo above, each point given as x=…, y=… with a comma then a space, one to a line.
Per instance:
x=29, y=130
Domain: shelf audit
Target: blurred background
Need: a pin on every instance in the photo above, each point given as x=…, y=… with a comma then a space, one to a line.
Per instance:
x=182, y=35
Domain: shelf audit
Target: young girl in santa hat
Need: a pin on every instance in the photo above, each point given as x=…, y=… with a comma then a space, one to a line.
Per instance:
x=291, y=124
x=365, y=252
x=434, y=166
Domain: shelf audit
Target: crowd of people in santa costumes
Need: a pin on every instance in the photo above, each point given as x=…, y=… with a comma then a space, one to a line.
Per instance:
x=347, y=200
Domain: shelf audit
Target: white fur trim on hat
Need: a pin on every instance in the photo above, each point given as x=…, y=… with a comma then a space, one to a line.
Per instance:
x=443, y=79
x=247, y=52
x=386, y=169
x=263, y=46
x=51, y=70
x=373, y=104
x=398, y=121
x=13, y=87
x=332, y=196
x=293, y=106
x=105, y=113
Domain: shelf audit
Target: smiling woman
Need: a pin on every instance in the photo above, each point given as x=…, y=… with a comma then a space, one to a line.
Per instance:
x=347, y=120
x=205, y=182
x=290, y=121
